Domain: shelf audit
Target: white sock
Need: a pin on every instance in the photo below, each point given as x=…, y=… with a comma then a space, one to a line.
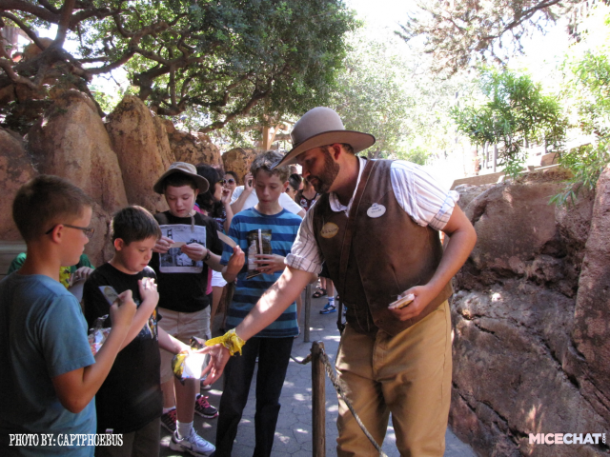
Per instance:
x=167, y=410
x=331, y=301
x=184, y=428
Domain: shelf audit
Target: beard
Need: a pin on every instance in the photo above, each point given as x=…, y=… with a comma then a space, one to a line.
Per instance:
x=323, y=181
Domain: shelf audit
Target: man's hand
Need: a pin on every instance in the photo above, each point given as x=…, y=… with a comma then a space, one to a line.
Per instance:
x=269, y=263
x=194, y=251
x=162, y=245
x=122, y=315
x=219, y=356
x=423, y=296
x=148, y=290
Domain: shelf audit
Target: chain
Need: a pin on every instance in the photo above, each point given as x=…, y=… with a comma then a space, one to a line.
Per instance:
x=341, y=391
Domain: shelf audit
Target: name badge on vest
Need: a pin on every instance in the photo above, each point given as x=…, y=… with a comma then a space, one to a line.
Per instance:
x=329, y=230
x=376, y=210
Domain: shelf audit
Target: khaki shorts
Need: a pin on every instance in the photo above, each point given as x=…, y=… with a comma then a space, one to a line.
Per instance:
x=182, y=326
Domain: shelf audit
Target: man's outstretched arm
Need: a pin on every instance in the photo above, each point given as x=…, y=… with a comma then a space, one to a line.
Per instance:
x=268, y=308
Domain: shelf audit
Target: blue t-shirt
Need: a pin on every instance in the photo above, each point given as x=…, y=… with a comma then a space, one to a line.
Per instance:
x=283, y=228
x=43, y=334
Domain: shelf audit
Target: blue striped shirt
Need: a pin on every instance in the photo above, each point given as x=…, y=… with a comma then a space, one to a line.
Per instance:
x=283, y=227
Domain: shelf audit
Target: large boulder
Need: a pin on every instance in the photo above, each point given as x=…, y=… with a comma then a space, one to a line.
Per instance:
x=190, y=148
x=519, y=366
x=142, y=146
x=238, y=160
x=72, y=142
x=15, y=170
x=589, y=361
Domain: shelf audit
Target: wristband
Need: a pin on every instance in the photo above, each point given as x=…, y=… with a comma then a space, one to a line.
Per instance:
x=230, y=340
x=207, y=256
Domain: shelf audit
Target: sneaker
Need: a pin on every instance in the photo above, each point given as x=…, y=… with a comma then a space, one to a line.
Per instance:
x=168, y=420
x=203, y=407
x=328, y=309
x=193, y=444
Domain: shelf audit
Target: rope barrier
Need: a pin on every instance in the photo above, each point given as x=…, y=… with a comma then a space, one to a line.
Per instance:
x=341, y=392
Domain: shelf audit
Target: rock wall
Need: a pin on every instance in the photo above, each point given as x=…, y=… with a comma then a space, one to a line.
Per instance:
x=116, y=164
x=239, y=161
x=15, y=170
x=530, y=315
x=142, y=146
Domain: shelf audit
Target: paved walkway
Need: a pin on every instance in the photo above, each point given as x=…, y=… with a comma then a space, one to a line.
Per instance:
x=293, y=432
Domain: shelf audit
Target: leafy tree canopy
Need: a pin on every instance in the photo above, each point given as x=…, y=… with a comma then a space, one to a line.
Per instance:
x=226, y=59
x=515, y=113
x=462, y=33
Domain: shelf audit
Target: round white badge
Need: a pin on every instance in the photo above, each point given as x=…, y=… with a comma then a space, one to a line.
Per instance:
x=376, y=210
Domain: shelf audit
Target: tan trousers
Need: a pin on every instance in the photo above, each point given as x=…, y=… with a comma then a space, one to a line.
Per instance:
x=408, y=375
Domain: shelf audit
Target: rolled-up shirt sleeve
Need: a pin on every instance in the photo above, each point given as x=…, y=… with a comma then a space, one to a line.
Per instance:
x=421, y=196
x=305, y=254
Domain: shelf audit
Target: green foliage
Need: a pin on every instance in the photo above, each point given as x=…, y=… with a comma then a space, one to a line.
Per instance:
x=515, y=113
x=463, y=33
x=227, y=60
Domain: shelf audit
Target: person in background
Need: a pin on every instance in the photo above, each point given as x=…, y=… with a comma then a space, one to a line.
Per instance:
x=295, y=183
x=272, y=345
x=182, y=276
x=231, y=181
x=67, y=275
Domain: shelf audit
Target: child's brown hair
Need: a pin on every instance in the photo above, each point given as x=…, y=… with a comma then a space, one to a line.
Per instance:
x=46, y=201
x=266, y=161
x=134, y=223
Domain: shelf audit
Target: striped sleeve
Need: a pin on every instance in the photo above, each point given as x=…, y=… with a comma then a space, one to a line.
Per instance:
x=421, y=196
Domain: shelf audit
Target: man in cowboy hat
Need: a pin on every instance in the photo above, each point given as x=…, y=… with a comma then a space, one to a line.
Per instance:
x=376, y=226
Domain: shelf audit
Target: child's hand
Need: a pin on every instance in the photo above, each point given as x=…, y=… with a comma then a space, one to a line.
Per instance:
x=162, y=245
x=219, y=356
x=195, y=251
x=148, y=290
x=123, y=310
x=81, y=273
x=269, y=263
x=236, y=261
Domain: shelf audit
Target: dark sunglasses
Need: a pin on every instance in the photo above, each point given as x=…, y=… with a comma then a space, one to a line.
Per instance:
x=229, y=181
x=88, y=231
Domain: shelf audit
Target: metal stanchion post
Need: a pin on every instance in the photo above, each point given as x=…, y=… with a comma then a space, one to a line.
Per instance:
x=307, y=313
x=318, y=401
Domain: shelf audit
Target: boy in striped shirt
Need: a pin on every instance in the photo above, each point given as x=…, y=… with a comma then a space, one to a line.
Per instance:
x=266, y=233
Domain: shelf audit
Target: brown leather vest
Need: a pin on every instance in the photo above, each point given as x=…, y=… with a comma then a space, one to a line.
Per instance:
x=388, y=254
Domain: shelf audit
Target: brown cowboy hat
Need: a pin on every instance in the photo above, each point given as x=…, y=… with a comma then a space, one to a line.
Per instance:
x=320, y=127
x=186, y=169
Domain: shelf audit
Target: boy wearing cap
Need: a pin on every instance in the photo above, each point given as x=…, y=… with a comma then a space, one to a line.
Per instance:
x=188, y=247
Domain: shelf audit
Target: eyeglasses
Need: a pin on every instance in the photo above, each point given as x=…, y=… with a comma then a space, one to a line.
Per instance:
x=227, y=181
x=88, y=231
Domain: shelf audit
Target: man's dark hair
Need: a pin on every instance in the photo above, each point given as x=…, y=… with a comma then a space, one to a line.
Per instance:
x=46, y=201
x=134, y=223
x=179, y=180
x=295, y=181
